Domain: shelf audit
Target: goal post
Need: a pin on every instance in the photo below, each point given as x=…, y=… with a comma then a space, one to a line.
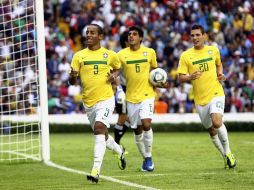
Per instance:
x=24, y=125
x=42, y=81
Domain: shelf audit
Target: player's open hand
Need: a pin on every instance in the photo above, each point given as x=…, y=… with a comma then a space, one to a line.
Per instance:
x=221, y=77
x=195, y=75
x=111, y=77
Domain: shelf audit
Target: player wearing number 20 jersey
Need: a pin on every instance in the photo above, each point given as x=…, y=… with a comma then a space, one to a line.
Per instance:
x=201, y=65
x=204, y=60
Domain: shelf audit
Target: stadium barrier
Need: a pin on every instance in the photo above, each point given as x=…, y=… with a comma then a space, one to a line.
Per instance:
x=161, y=122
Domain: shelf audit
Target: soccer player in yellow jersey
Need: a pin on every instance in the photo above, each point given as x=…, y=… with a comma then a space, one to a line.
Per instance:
x=92, y=65
x=201, y=65
x=137, y=61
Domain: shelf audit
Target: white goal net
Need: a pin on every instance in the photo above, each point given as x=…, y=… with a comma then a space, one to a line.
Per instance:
x=23, y=115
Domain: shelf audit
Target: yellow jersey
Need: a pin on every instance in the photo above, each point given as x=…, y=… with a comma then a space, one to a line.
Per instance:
x=93, y=68
x=136, y=67
x=207, y=86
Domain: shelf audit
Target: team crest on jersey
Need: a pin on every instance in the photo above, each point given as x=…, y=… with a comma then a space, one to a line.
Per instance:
x=210, y=52
x=105, y=55
x=145, y=53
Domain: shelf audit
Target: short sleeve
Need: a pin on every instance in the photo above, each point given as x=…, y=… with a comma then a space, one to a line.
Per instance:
x=182, y=65
x=153, y=59
x=75, y=63
x=217, y=57
x=114, y=61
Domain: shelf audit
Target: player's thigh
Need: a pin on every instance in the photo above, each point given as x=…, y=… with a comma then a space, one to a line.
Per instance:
x=204, y=115
x=217, y=110
x=217, y=105
x=133, y=114
x=104, y=111
x=146, y=109
x=91, y=114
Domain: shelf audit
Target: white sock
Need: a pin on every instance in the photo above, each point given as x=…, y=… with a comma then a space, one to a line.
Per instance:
x=140, y=144
x=99, y=151
x=127, y=124
x=119, y=127
x=112, y=145
x=148, y=142
x=223, y=136
x=216, y=141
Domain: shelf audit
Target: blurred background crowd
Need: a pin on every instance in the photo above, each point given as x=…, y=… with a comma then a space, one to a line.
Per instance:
x=229, y=26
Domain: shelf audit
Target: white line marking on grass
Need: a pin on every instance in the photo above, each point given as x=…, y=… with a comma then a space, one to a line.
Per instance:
x=248, y=142
x=101, y=176
x=140, y=175
x=182, y=174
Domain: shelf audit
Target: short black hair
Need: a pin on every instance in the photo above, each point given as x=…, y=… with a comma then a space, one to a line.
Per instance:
x=124, y=39
x=198, y=27
x=140, y=31
x=100, y=29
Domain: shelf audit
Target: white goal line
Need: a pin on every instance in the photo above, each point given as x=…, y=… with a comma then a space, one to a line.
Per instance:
x=51, y=164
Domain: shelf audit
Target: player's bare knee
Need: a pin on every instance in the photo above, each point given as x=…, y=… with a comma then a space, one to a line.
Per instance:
x=217, y=123
x=212, y=131
x=100, y=128
x=138, y=130
x=147, y=127
x=146, y=124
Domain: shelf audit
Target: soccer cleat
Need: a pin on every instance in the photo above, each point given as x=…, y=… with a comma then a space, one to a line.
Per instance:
x=231, y=161
x=147, y=165
x=121, y=159
x=94, y=177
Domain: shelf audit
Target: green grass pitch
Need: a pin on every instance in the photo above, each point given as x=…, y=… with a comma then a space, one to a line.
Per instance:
x=182, y=161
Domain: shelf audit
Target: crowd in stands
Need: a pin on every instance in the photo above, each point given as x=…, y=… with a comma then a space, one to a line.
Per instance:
x=229, y=26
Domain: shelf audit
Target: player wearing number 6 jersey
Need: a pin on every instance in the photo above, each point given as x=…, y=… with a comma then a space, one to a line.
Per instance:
x=201, y=65
x=93, y=65
x=137, y=61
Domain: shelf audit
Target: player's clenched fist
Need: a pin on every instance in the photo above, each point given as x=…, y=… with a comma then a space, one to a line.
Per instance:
x=73, y=73
x=221, y=77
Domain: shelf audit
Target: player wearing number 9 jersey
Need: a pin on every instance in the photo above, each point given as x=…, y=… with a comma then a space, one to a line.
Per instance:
x=93, y=65
x=137, y=62
x=201, y=65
